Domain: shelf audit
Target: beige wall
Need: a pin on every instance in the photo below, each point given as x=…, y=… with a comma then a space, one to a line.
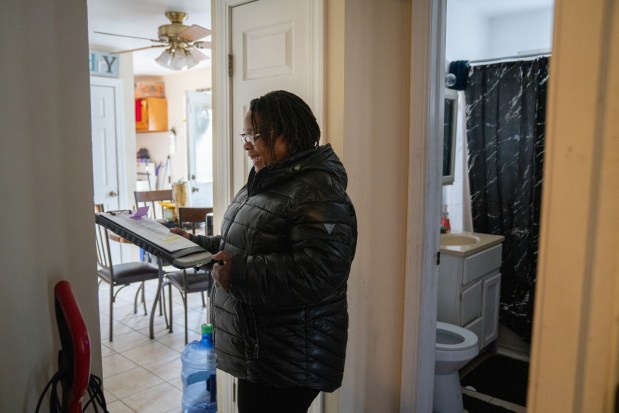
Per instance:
x=46, y=184
x=375, y=104
x=574, y=359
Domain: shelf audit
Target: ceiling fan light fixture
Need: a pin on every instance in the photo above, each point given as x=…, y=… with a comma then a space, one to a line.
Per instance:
x=180, y=59
x=181, y=42
x=165, y=58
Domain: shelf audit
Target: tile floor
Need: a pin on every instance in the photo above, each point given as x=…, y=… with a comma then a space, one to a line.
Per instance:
x=142, y=375
x=492, y=400
x=139, y=374
x=495, y=401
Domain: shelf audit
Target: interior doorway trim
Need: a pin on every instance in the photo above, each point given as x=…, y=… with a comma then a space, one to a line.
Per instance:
x=427, y=75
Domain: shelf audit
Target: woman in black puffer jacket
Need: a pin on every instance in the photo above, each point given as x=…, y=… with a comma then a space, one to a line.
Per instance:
x=287, y=244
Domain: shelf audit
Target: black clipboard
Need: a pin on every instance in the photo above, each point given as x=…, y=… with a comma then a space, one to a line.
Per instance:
x=191, y=257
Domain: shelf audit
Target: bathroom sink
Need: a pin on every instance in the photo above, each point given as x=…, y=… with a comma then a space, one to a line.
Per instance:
x=452, y=240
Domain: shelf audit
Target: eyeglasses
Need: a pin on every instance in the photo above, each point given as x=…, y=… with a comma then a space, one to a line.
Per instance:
x=248, y=137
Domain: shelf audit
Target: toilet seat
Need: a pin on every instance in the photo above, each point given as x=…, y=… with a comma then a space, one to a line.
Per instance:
x=455, y=338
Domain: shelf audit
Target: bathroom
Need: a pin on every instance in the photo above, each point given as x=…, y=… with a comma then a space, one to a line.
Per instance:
x=481, y=35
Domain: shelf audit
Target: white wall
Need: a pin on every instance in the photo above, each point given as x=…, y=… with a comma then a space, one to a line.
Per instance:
x=473, y=34
x=467, y=32
x=46, y=169
x=513, y=34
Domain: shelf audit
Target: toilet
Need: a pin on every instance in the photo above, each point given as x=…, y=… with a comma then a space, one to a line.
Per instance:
x=455, y=346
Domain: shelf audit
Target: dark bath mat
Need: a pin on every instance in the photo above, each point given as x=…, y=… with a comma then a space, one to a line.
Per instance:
x=501, y=377
x=475, y=405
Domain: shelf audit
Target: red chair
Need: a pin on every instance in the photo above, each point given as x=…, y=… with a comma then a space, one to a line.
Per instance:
x=74, y=358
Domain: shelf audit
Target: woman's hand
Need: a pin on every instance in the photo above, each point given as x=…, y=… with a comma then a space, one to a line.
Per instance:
x=180, y=232
x=222, y=273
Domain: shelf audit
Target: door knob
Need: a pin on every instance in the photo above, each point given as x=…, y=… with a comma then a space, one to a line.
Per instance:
x=194, y=189
x=112, y=194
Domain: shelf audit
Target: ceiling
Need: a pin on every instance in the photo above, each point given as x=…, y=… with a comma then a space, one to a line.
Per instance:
x=142, y=18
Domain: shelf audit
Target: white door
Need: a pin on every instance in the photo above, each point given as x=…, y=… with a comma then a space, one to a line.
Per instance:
x=200, y=148
x=104, y=154
x=105, y=169
x=273, y=45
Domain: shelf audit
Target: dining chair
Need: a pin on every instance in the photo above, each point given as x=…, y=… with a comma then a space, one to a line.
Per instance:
x=190, y=280
x=119, y=276
x=150, y=198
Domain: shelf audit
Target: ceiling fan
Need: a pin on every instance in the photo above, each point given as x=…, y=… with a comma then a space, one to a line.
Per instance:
x=181, y=42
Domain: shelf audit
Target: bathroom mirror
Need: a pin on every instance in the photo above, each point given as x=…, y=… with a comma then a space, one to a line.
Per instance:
x=449, y=135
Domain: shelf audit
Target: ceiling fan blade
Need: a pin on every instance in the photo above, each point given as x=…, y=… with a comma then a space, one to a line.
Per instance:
x=197, y=54
x=140, y=48
x=131, y=37
x=194, y=32
x=202, y=45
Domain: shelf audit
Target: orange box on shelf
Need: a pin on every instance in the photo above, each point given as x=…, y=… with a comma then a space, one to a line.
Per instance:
x=151, y=114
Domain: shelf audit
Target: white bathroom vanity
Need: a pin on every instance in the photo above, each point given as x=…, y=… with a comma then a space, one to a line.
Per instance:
x=469, y=283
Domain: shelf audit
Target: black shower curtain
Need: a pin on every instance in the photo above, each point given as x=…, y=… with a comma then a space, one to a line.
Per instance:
x=506, y=111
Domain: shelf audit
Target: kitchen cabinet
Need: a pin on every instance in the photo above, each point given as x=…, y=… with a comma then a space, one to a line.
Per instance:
x=469, y=284
x=151, y=114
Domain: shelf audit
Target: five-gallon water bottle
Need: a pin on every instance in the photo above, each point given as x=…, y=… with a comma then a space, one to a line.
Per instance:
x=198, y=374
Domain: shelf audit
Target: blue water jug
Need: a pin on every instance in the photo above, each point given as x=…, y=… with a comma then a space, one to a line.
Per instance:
x=199, y=374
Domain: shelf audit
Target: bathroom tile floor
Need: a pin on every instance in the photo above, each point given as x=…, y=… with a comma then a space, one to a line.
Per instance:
x=490, y=399
x=495, y=401
x=142, y=375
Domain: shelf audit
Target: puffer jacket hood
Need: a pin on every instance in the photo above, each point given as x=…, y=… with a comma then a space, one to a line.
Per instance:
x=292, y=232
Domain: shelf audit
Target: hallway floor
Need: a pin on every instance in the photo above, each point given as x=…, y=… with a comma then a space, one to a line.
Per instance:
x=142, y=375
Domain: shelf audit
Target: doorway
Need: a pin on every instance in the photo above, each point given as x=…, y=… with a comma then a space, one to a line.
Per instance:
x=200, y=147
x=507, y=51
x=268, y=45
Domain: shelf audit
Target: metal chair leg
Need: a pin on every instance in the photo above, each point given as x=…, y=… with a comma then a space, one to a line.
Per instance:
x=170, y=328
x=186, y=327
x=111, y=311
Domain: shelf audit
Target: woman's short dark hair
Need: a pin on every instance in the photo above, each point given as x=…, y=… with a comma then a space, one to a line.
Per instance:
x=284, y=113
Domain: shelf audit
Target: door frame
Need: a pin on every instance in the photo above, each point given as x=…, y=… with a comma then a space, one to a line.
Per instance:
x=427, y=93
x=119, y=111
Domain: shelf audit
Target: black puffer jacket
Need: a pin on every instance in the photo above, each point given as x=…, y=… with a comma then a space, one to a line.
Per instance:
x=293, y=232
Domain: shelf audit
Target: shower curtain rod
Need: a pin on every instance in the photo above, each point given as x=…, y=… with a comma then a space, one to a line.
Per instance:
x=516, y=57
